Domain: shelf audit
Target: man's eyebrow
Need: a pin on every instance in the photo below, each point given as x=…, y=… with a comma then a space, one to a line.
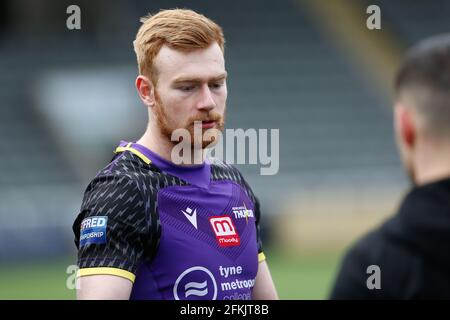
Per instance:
x=197, y=79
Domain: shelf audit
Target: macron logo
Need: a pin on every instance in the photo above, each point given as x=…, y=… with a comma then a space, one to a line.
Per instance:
x=192, y=216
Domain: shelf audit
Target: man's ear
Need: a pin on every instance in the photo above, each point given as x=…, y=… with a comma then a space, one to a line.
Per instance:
x=405, y=126
x=146, y=90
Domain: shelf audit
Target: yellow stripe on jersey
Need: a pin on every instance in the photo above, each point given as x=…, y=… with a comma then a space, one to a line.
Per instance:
x=261, y=257
x=106, y=270
x=136, y=152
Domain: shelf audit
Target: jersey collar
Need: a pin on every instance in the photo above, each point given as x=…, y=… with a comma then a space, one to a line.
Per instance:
x=199, y=175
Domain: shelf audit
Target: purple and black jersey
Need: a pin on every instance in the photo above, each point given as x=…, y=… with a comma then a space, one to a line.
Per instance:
x=176, y=232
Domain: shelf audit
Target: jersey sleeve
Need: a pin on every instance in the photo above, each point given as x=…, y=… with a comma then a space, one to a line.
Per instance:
x=111, y=229
x=261, y=256
x=257, y=206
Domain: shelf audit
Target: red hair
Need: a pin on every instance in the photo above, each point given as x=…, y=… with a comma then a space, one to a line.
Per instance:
x=180, y=29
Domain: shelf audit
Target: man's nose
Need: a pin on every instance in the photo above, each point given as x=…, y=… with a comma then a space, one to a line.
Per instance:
x=206, y=101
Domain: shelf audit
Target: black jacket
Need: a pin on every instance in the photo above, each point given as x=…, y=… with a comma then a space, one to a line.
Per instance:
x=412, y=250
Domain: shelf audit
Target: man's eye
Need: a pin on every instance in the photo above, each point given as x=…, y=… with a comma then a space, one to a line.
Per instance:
x=216, y=85
x=187, y=88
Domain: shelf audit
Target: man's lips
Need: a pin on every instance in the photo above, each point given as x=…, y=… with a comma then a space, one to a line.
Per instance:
x=208, y=124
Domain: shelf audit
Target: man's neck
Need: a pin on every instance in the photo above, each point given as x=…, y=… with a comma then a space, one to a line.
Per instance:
x=432, y=174
x=158, y=143
x=155, y=142
x=433, y=164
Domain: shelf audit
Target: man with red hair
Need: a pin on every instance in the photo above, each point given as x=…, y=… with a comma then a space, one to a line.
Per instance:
x=150, y=228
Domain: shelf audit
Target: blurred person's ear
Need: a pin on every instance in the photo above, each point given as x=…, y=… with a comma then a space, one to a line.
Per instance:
x=405, y=127
x=146, y=90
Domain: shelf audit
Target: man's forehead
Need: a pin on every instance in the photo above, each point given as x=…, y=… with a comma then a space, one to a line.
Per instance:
x=175, y=64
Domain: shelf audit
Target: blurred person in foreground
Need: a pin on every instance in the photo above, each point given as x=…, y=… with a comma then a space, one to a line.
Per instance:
x=412, y=249
x=150, y=228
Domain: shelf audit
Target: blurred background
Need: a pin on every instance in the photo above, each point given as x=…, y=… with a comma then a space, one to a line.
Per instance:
x=310, y=68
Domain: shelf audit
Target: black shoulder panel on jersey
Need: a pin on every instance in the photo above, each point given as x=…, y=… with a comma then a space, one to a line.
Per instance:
x=118, y=198
x=125, y=192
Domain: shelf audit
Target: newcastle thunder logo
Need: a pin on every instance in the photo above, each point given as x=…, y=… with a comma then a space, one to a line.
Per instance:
x=196, y=283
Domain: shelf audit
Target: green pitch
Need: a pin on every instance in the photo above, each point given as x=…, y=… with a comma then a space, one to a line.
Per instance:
x=308, y=277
